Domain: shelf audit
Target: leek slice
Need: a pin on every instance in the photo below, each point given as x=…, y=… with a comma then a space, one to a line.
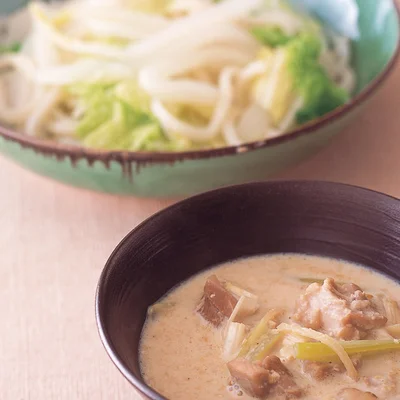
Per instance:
x=261, y=329
x=391, y=309
x=266, y=345
x=314, y=351
x=236, y=332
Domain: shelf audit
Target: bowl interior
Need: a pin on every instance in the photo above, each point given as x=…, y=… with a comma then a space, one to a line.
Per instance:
x=302, y=217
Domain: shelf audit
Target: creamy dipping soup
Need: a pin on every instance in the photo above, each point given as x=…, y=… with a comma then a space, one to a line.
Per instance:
x=276, y=327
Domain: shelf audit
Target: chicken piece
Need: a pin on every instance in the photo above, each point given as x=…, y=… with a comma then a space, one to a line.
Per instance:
x=219, y=296
x=209, y=312
x=260, y=380
x=355, y=394
x=342, y=311
x=217, y=302
x=285, y=386
x=253, y=378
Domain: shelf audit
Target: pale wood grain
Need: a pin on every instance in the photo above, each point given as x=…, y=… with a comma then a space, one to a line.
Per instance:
x=55, y=239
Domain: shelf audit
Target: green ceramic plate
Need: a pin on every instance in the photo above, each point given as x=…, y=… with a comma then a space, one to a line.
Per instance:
x=181, y=174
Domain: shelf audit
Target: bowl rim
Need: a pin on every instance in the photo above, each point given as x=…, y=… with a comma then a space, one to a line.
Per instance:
x=139, y=384
x=48, y=147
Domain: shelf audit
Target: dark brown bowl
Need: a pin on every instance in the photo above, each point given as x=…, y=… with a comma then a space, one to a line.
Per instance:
x=319, y=218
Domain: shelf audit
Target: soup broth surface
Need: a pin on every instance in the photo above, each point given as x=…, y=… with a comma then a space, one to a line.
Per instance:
x=181, y=355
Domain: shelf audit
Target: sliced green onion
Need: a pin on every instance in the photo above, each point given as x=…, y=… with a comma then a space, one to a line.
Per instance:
x=266, y=344
x=261, y=329
x=314, y=351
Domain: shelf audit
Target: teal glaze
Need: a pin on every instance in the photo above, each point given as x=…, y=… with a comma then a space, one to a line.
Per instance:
x=379, y=38
x=181, y=178
x=183, y=175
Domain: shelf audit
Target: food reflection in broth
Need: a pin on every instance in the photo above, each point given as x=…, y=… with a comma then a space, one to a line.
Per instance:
x=276, y=327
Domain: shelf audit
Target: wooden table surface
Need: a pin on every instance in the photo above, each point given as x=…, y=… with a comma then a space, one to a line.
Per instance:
x=54, y=241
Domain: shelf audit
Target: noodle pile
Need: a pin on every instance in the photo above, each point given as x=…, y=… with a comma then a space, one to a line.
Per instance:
x=159, y=75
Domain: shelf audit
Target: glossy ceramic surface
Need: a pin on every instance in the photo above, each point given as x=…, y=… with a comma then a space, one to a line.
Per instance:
x=315, y=218
x=168, y=175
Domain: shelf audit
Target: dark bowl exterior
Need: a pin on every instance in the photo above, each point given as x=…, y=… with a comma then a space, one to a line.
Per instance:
x=316, y=218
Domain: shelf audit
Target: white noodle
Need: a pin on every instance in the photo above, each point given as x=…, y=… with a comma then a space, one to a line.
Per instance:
x=172, y=125
x=192, y=61
x=156, y=80
x=83, y=71
x=197, y=54
x=76, y=45
x=272, y=86
x=254, y=124
x=210, y=35
x=287, y=121
x=251, y=71
x=42, y=49
x=185, y=91
x=124, y=17
x=197, y=24
x=117, y=30
x=230, y=134
x=25, y=68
